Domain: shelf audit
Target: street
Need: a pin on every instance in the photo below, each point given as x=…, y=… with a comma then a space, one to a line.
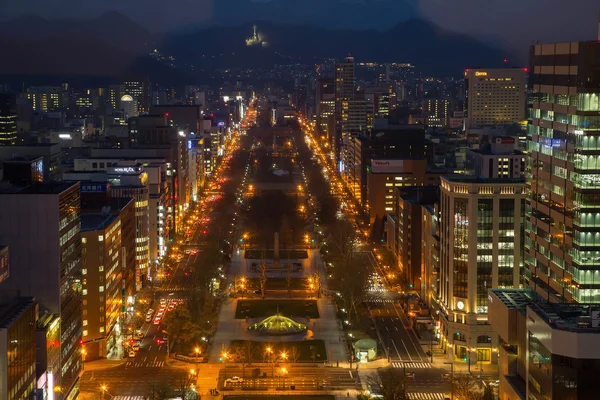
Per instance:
x=285, y=375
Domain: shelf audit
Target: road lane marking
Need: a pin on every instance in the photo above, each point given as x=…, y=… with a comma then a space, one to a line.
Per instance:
x=397, y=352
x=403, y=344
x=409, y=335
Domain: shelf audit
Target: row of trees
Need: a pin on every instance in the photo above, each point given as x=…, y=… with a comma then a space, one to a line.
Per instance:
x=348, y=277
x=187, y=325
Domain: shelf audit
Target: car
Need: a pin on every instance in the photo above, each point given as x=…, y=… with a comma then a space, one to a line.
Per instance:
x=132, y=354
x=140, y=335
x=135, y=347
x=171, y=307
x=188, y=251
x=157, y=321
x=234, y=379
x=494, y=384
x=148, y=318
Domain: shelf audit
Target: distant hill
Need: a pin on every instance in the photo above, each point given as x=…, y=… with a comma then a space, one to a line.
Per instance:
x=431, y=48
x=114, y=45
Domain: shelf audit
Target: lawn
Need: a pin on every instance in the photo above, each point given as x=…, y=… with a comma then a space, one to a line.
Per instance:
x=266, y=308
x=282, y=397
x=269, y=254
x=279, y=284
x=300, y=351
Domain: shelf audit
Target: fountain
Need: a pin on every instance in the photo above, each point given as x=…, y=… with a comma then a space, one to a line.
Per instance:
x=277, y=325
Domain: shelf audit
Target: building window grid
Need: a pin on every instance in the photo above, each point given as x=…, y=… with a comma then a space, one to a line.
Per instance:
x=485, y=229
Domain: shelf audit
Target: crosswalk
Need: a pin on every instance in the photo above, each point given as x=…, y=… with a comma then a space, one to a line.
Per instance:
x=410, y=365
x=129, y=398
x=425, y=396
x=177, y=288
x=380, y=301
x=145, y=364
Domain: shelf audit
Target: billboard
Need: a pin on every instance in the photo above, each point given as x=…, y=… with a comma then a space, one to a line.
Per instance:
x=387, y=166
x=93, y=187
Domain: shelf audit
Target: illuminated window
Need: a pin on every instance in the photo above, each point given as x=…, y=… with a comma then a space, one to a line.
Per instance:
x=101, y=289
x=83, y=240
x=100, y=238
x=85, y=333
x=85, y=292
x=85, y=322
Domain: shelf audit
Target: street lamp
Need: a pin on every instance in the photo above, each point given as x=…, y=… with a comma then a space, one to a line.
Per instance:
x=197, y=351
x=103, y=388
x=270, y=353
x=83, y=353
x=284, y=373
x=451, y=379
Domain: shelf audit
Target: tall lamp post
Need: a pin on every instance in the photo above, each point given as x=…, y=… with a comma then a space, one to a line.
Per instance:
x=197, y=351
x=83, y=353
x=451, y=379
x=283, y=373
x=270, y=353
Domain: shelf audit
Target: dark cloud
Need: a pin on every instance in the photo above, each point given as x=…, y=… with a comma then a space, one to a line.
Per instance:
x=515, y=24
x=154, y=14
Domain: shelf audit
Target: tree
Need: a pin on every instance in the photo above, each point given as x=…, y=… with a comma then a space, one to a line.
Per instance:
x=294, y=354
x=350, y=277
x=159, y=391
x=255, y=376
x=180, y=326
x=239, y=356
x=464, y=386
x=389, y=383
x=317, y=282
x=288, y=280
x=262, y=267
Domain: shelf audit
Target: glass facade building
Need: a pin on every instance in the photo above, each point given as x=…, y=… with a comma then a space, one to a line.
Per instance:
x=17, y=340
x=481, y=236
x=562, y=246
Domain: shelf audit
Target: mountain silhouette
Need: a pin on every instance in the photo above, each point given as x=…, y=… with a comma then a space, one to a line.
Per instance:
x=113, y=45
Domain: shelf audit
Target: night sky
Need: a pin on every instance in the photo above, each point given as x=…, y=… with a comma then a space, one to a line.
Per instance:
x=508, y=23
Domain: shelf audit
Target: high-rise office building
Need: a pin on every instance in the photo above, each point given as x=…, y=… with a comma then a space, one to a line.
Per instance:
x=344, y=91
x=18, y=316
x=41, y=225
x=437, y=111
x=481, y=236
x=325, y=99
x=8, y=119
x=561, y=248
x=102, y=283
x=140, y=91
x=494, y=96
